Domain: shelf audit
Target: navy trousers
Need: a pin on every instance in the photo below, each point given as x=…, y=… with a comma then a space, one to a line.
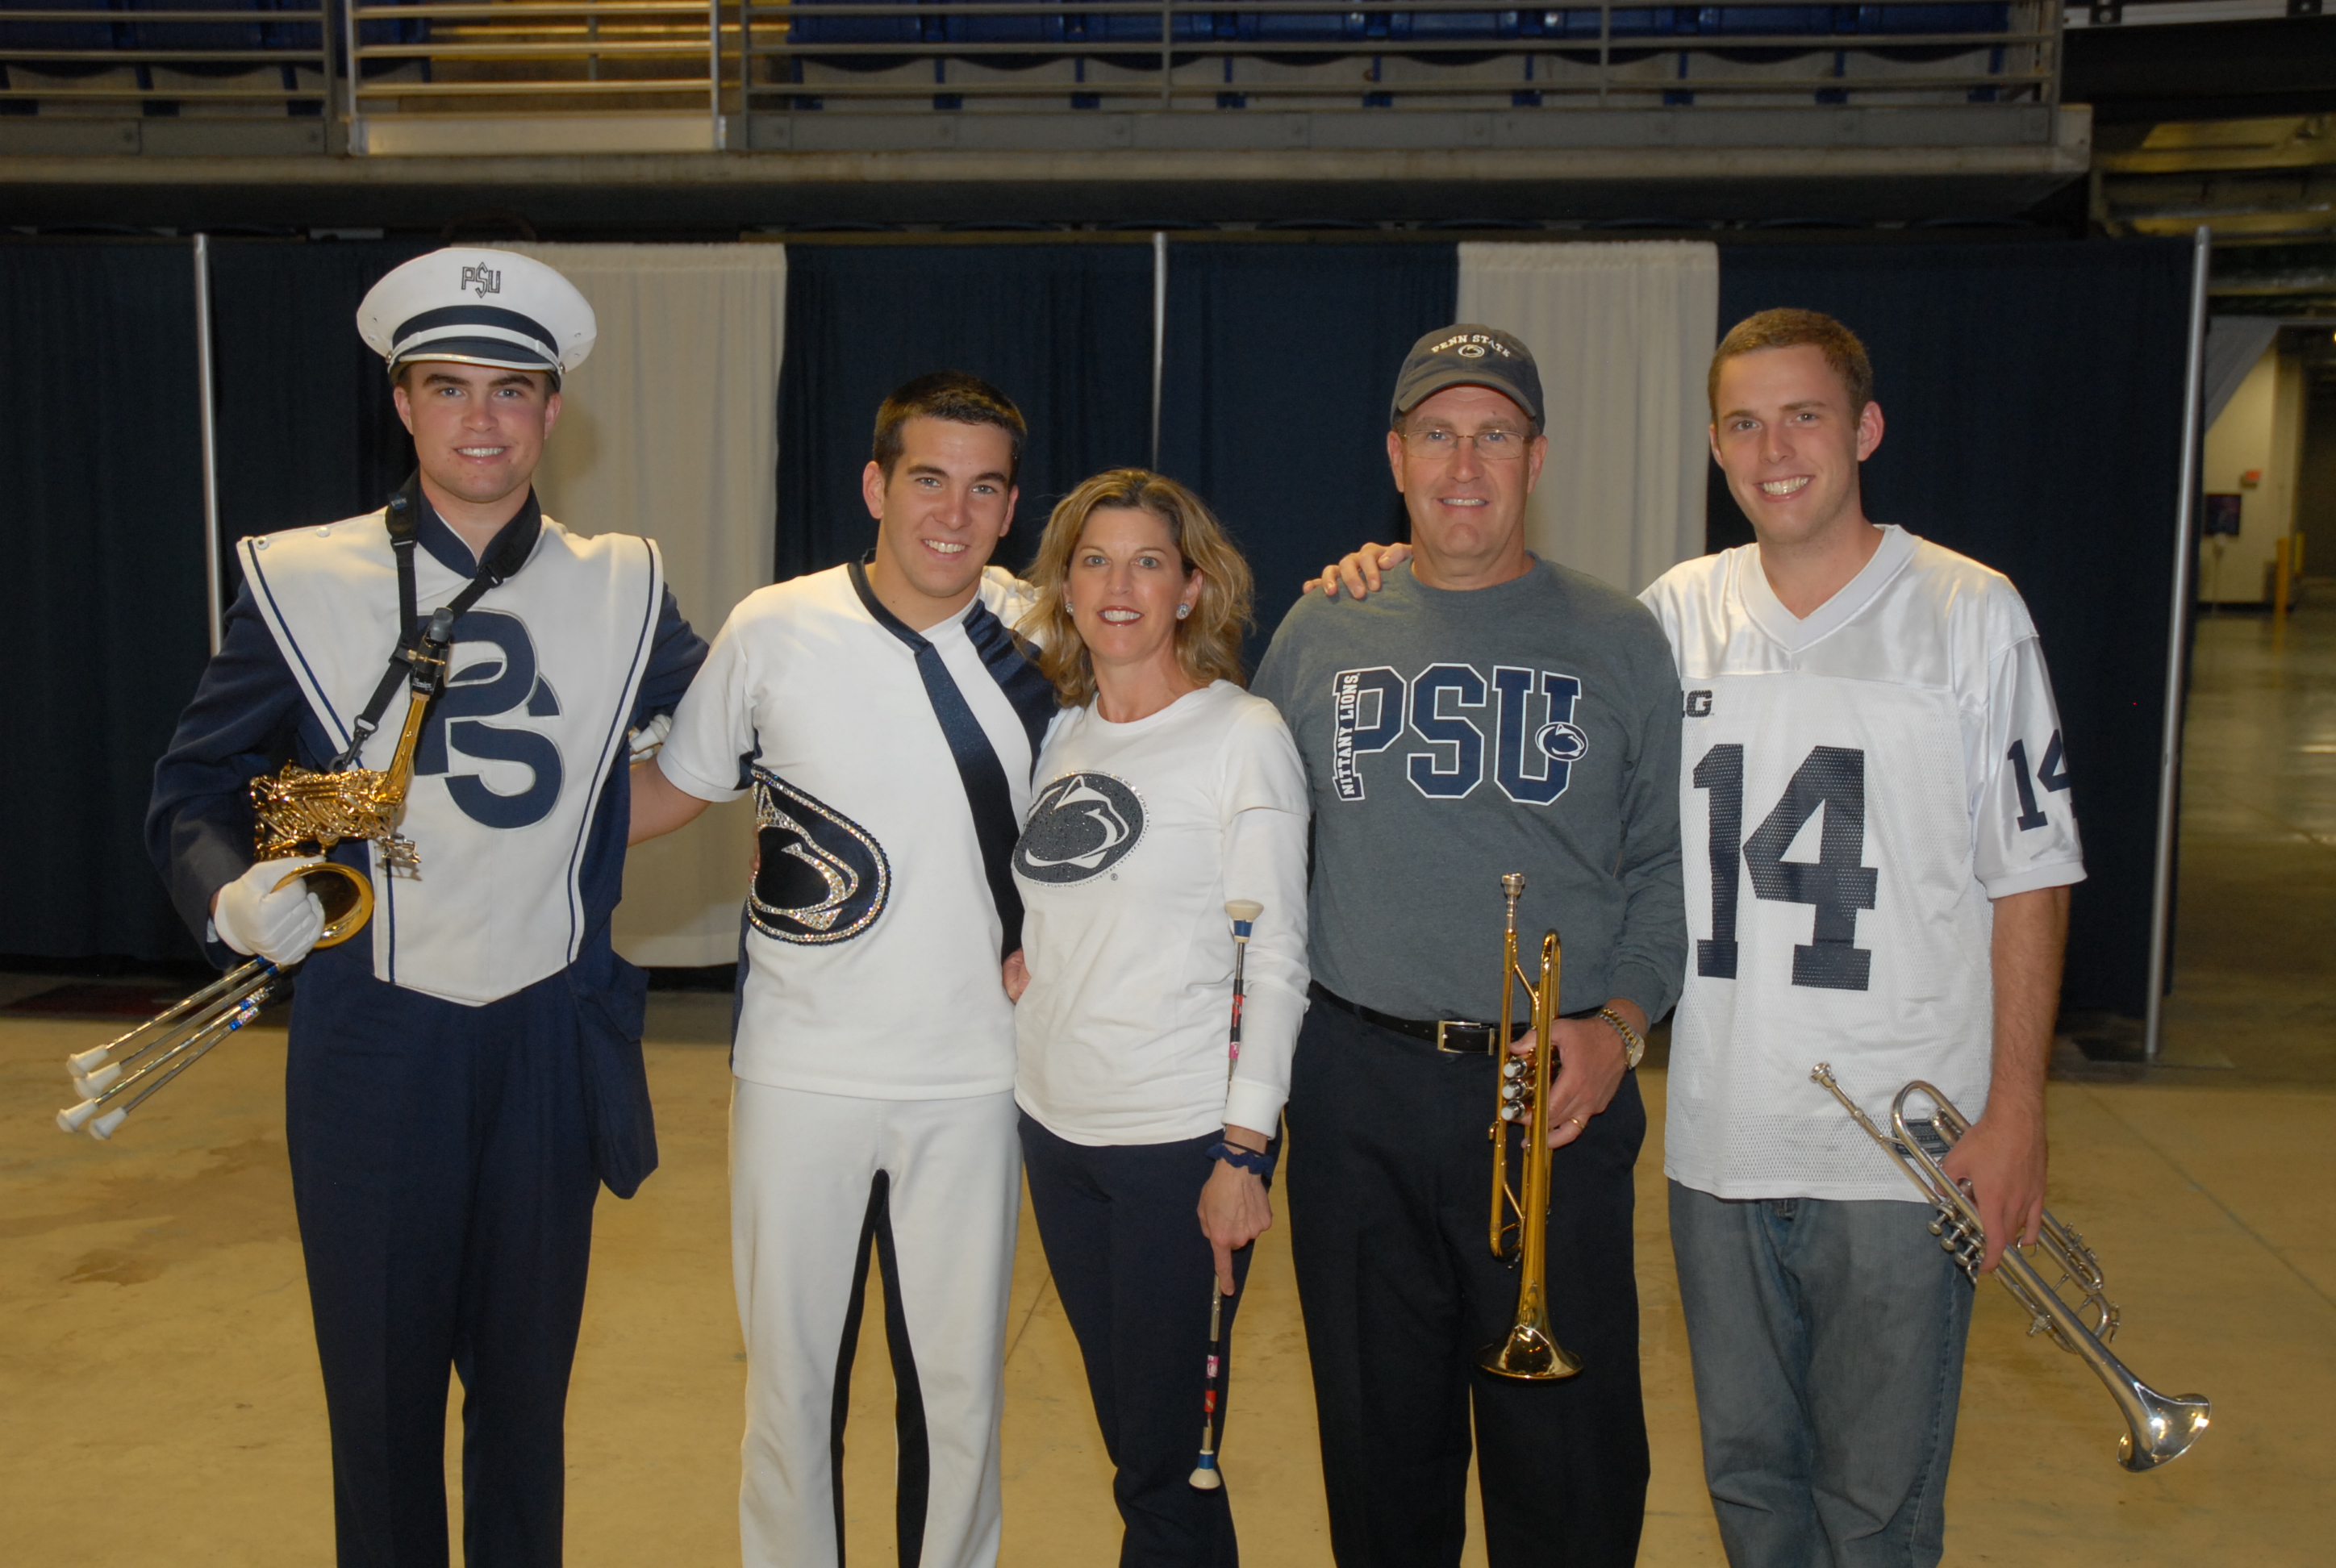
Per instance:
x=1390, y=1196
x=443, y=1174
x=1121, y=1231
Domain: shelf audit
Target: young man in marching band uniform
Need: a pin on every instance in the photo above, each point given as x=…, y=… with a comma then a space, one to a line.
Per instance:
x=1485, y=713
x=1879, y=843
x=464, y=1073
x=885, y=722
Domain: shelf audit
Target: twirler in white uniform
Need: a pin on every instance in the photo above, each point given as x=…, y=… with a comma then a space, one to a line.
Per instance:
x=874, y=1107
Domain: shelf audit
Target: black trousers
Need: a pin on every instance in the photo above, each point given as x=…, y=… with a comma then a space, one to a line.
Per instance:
x=1123, y=1238
x=442, y=1175
x=1390, y=1183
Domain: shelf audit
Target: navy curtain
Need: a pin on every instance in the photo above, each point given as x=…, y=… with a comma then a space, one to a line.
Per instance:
x=102, y=526
x=1281, y=360
x=1063, y=330
x=306, y=432
x=2033, y=402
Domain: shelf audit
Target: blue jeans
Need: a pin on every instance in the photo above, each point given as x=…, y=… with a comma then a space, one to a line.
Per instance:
x=1828, y=1339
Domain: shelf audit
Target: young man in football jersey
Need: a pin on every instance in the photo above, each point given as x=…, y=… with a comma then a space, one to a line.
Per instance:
x=466, y=1072
x=1872, y=752
x=1486, y=712
x=886, y=723
x=1875, y=710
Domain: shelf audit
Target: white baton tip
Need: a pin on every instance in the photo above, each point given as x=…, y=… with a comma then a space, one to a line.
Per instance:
x=82, y=1061
x=103, y=1128
x=1243, y=909
x=96, y=1083
x=71, y=1121
x=1205, y=1479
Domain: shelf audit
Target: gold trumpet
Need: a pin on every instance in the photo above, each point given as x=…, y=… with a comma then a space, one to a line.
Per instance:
x=300, y=810
x=2159, y=1427
x=1530, y=1351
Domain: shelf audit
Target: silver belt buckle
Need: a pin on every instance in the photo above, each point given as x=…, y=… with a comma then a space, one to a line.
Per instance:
x=1443, y=1023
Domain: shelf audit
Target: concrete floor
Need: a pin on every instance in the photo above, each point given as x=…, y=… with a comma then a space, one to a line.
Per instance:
x=163, y=1405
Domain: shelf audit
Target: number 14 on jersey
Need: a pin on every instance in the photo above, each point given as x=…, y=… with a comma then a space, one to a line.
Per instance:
x=1837, y=885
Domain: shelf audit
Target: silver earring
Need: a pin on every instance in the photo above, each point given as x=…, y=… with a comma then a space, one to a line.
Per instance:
x=1066, y=607
x=1183, y=610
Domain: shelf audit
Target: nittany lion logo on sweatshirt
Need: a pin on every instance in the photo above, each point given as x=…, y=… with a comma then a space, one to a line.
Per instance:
x=1081, y=826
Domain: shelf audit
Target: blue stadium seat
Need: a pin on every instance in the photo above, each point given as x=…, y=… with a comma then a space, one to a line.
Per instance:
x=45, y=35
x=1121, y=27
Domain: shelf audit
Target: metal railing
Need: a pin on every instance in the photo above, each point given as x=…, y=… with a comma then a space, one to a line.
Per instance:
x=1162, y=55
x=727, y=61
x=56, y=56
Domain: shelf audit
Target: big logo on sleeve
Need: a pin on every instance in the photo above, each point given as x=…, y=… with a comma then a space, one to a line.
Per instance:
x=495, y=674
x=824, y=877
x=1081, y=826
x=1521, y=722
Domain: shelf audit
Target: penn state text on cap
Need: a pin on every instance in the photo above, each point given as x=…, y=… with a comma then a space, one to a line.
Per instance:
x=479, y=306
x=1469, y=354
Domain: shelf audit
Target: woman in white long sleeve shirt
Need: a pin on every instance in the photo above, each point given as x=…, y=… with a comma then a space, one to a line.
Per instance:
x=1166, y=792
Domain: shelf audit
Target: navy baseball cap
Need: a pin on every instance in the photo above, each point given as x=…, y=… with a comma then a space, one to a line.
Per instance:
x=1469, y=354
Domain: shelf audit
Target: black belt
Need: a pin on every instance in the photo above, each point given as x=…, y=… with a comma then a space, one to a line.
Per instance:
x=1452, y=1037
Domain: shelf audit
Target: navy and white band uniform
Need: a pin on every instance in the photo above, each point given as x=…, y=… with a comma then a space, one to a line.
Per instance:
x=459, y=1074
x=873, y=1102
x=1141, y=833
x=1524, y=719
x=1879, y=831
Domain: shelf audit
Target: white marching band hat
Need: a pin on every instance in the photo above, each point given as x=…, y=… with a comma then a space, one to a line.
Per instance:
x=479, y=306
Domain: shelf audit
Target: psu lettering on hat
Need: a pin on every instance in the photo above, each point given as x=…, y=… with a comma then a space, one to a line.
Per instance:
x=435, y=307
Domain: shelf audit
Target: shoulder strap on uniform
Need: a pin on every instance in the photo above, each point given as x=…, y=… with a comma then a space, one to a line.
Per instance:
x=403, y=518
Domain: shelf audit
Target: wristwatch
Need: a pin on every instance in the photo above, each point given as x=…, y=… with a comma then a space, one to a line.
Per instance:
x=1634, y=1044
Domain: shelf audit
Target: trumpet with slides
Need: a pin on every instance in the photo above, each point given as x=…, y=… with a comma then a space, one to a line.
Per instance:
x=2159, y=1426
x=1520, y=1212
x=300, y=810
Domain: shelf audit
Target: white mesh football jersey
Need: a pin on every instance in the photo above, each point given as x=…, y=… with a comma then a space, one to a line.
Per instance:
x=1854, y=788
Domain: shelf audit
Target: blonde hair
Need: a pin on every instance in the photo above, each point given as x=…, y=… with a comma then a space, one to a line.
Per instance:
x=1789, y=328
x=1207, y=641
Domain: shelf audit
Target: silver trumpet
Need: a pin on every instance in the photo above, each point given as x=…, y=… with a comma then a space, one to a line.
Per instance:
x=2159, y=1426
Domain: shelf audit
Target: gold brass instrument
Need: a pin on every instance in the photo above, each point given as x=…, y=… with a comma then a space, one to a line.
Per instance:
x=2159, y=1426
x=300, y=810
x=1530, y=1351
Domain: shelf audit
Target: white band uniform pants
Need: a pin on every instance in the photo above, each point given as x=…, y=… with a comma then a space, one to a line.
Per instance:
x=931, y=1189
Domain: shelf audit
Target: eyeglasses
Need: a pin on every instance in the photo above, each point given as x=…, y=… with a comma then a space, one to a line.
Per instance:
x=1440, y=444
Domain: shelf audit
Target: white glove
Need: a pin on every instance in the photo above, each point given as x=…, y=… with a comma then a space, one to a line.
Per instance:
x=251, y=915
x=649, y=739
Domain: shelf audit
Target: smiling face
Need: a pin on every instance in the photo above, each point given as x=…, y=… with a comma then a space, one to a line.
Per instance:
x=478, y=429
x=1466, y=498
x=1790, y=446
x=948, y=502
x=1125, y=579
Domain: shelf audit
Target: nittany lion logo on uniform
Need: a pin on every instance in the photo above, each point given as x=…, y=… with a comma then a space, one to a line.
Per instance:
x=1081, y=826
x=822, y=878
x=1562, y=742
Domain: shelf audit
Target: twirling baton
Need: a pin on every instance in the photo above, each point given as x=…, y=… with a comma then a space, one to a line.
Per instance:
x=1204, y=1476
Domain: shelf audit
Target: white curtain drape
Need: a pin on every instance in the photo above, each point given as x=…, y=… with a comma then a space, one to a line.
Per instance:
x=1623, y=333
x=670, y=429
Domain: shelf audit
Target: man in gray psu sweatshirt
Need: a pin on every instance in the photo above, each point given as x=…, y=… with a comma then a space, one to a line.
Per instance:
x=1483, y=713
